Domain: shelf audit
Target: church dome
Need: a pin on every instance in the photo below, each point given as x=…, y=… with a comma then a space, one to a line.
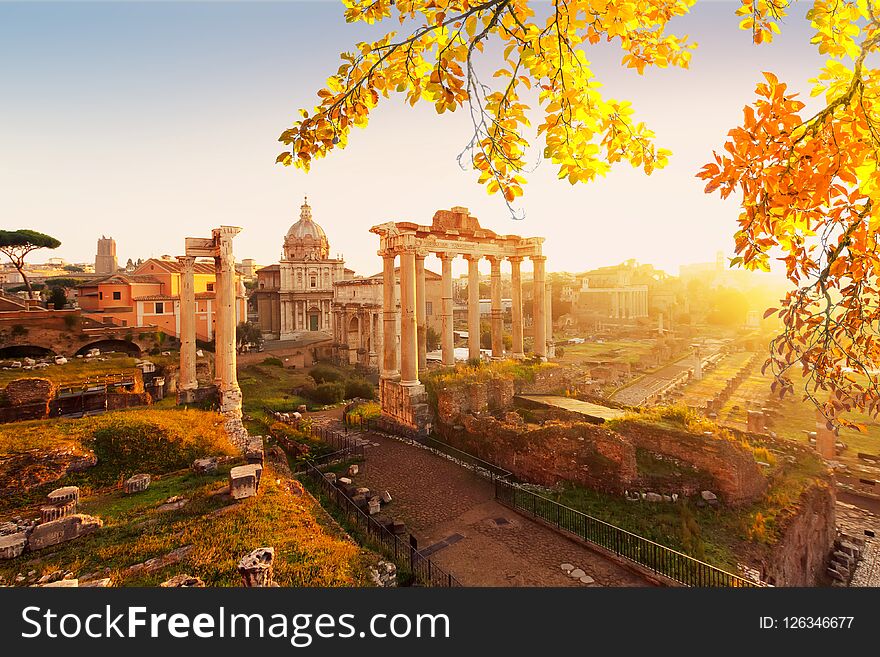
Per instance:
x=306, y=240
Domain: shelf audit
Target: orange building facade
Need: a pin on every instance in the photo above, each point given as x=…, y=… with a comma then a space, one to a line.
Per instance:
x=150, y=297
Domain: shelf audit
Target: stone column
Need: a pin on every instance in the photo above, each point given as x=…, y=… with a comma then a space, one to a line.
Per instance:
x=539, y=323
x=219, y=321
x=362, y=357
x=614, y=308
x=188, y=379
x=226, y=339
x=421, y=312
x=496, y=318
x=473, y=307
x=409, y=348
x=447, y=338
x=548, y=312
x=516, y=310
x=389, y=319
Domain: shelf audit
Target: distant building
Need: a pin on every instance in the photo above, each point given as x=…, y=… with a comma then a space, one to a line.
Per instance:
x=296, y=295
x=612, y=293
x=105, y=260
x=150, y=296
x=248, y=268
x=357, y=316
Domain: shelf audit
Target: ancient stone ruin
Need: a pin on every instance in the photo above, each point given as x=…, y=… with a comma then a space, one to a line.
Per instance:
x=452, y=233
x=136, y=484
x=218, y=247
x=256, y=568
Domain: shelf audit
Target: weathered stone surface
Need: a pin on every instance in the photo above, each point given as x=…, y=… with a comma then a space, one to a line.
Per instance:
x=253, y=452
x=577, y=573
x=708, y=495
x=653, y=497
x=64, y=494
x=184, y=581
x=242, y=482
x=173, y=504
x=61, y=583
x=104, y=582
x=256, y=568
x=373, y=506
x=330, y=476
x=54, y=511
x=62, y=530
x=206, y=465
x=136, y=484
x=567, y=568
x=386, y=497
x=352, y=470
x=156, y=563
x=344, y=481
x=12, y=545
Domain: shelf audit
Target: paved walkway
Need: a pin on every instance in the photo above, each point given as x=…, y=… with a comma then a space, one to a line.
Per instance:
x=854, y=520
x=453, y=514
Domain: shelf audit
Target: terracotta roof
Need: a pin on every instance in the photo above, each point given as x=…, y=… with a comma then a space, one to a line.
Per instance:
x=269, y=268
x=120, y=279
x=174, y=267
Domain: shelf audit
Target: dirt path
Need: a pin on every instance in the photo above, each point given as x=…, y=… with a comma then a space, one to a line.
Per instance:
x=453, y=514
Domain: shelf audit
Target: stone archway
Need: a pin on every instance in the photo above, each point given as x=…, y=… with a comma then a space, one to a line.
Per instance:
x=125, y=346
x=25, y=351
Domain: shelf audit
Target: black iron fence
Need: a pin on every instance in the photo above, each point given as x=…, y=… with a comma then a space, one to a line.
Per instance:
x=378, y=536
x=657, y=558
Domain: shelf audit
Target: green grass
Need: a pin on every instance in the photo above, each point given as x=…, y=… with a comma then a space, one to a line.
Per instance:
x=76, y=370
x=624, y=351
x=308, y=551
x=126, y=442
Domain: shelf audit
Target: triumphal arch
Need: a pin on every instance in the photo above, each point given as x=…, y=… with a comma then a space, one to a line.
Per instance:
x=452, y=233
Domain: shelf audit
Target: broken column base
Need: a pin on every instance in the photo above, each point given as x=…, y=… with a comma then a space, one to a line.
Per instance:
x=206, y=394
x=405, y=405
x=230, y=409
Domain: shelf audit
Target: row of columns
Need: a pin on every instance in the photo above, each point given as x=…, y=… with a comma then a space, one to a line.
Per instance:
x=629, y=303
x=295, y=314
x=413, y=325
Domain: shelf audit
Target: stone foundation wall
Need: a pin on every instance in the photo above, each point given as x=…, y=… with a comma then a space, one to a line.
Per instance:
x=580, y=453
x=733, y=468
x=801, y=555
x=405, y=405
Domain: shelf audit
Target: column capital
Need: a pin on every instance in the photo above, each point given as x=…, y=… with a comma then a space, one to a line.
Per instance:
x=516, y=259
x=470, y=257
x=445, y=256
x=538, y=258
x=494, y=260
x=186, y=260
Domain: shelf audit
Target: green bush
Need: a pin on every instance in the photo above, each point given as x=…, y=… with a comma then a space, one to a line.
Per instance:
x=325, y=374
x=331, y=392
x=359, y=388
x=271, y=360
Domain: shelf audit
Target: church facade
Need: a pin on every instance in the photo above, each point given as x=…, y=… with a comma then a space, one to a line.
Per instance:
x=295, y=296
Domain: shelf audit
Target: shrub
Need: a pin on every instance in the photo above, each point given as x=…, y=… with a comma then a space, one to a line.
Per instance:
x=19, y=329
x=325, y=374
x=359, y=388
x=331, y=392
x=274, y=362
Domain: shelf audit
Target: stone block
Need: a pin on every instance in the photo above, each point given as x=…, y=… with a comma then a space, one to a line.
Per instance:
x=344, y=481
x=64, y=529
x=386, y=497
x=398, y=527
x=12, y=545
x=61, y=584
x=302, y=408
x=353, y=470
x=373, y=506
x=253, y=452
x=54, y=511
x=136, y=484
x=255, y=568
x=330, y=476
x=184, y=581
x=709, y=496
x=206, y=465
x=64, y=494
x=242, y=482
x=653, y=497
x=362, y=490
x=104, y=582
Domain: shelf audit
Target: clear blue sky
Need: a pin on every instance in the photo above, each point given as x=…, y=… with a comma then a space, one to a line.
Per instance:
x=154, y=121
